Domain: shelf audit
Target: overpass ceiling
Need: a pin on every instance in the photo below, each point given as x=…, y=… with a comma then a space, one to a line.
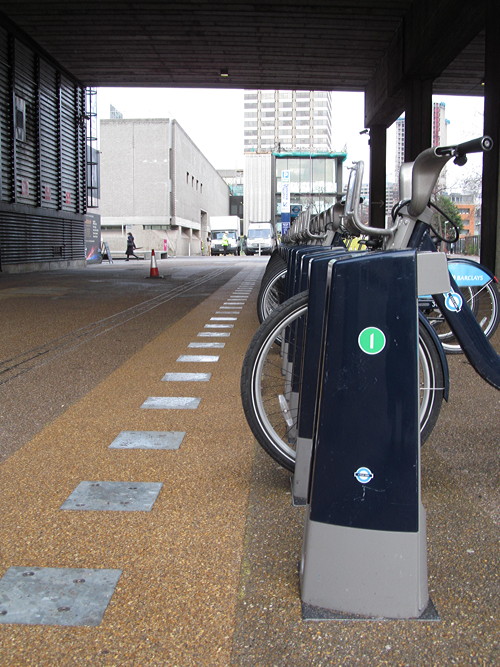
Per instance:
x=292, y=44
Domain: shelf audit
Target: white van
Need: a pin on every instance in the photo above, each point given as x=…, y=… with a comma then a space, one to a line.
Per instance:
x=221, y=225
x=261, y=238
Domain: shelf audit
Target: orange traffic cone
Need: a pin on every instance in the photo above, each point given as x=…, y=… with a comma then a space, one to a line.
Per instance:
x=153, y=271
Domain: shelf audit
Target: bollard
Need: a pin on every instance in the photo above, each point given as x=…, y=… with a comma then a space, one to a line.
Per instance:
x=364, y=551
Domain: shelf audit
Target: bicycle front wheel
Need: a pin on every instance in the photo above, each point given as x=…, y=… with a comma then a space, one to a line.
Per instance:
x=267, y=381
x=272, y=291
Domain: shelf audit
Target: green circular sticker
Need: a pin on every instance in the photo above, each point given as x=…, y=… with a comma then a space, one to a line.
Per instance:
x=371, y=340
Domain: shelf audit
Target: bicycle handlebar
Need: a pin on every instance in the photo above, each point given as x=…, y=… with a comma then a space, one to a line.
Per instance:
x=424, y=174
x=429, y=164
x=353, y=199
x=479, y=145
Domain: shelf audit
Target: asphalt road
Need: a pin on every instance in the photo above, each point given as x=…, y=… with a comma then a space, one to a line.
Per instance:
x=62, y=332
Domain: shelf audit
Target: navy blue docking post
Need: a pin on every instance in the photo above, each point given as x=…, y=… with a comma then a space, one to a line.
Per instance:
x=364, y=547
x=309, y=362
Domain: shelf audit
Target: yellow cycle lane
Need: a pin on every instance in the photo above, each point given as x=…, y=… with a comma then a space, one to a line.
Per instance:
x=178, y=563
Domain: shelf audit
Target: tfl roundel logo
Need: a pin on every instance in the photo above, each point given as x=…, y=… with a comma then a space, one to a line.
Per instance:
x=363, y=475
x=453, y=301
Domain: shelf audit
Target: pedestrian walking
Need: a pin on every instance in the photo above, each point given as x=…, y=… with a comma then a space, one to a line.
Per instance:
x=225, y=243
x=130, y=247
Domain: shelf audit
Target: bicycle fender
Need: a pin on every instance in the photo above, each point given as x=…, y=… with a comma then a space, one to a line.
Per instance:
x=476, y=347
x=442, y=356
x=468, y=273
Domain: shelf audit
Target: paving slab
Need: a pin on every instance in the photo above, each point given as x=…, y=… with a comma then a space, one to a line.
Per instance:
x=186, y=377
x=113, y=496
x=205, y=345
x=55, y=596
x=148, y=440
x=198, y=358
x=171, y=403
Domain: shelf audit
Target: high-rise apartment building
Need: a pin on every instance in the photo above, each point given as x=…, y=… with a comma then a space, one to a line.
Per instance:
x=399, y=157
x=438, y=136
x=439, y=124
x=287, y=120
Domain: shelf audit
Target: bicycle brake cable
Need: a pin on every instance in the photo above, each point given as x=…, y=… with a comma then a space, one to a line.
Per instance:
x=447, y=218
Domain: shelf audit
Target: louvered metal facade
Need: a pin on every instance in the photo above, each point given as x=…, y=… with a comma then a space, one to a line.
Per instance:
x=42, y=156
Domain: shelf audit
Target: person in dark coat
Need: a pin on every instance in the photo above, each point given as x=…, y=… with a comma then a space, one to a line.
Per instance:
x=130, y=247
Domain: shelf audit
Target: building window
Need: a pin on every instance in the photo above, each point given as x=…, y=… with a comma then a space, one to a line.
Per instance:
x=20, y=119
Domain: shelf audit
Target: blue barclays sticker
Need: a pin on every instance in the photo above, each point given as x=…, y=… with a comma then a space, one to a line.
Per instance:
x=468, y=273
x=453, y=301
x=363, y=475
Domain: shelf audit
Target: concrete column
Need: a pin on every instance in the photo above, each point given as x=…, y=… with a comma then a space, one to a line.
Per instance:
x=378, y=146
x=490, y=220
x=418, y=117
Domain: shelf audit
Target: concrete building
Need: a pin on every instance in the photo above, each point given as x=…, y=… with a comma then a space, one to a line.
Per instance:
x=259, y=189
x=43, y=197
x=469, y=211
x=157, y=184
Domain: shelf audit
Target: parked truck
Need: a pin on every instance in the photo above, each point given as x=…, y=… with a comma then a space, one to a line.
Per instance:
x=228, y=225
x=261, y=238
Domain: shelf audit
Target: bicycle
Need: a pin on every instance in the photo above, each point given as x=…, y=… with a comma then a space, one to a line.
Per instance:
x=477, y=285
x=321, y=230
x=276, y=404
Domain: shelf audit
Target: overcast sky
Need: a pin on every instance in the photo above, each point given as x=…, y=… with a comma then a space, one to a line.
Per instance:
x=213, y=119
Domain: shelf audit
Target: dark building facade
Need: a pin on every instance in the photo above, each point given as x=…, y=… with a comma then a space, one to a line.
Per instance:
x=43, y=196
